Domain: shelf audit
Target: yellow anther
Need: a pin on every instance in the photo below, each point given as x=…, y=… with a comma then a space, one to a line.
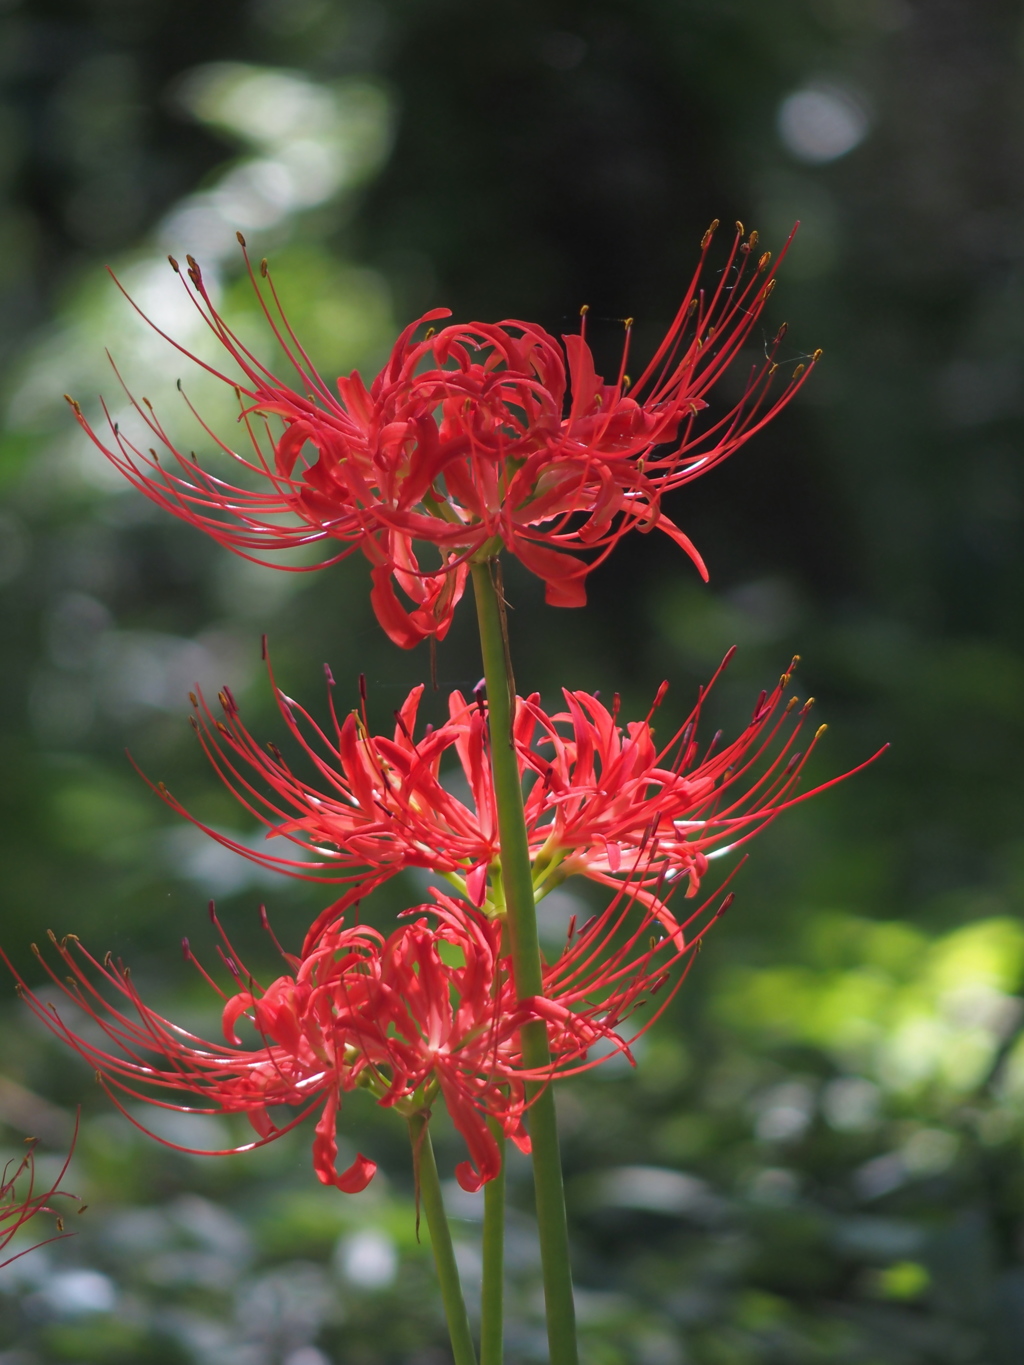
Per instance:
x=705, y=241
x=584, y=310
x=769, y=289
x=763, y=262
x=264, y=267
x=739, y=227
x=799, y=371
x=817, y=355
x=753, y=239
x=627, y=322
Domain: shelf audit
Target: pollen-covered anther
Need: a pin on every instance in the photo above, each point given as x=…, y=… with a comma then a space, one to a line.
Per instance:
x=764, y=260
x=799, y=371
x=816, y=355
x=705, y=241
x=264, y=267
x=74, y=403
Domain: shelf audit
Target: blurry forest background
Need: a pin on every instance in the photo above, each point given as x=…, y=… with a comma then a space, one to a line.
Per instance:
x=820, y=1155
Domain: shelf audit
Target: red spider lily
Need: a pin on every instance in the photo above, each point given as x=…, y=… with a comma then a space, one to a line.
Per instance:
x=474, y=437
x=429, y=1011
x=21, y=1200
x=598, y=792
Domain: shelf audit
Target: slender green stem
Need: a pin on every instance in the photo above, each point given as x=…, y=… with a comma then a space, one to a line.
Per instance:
x=517, y=876
x=441, y=1241
x=492, y=1297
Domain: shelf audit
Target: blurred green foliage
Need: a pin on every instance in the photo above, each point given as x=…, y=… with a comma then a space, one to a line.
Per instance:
x=819, y=1157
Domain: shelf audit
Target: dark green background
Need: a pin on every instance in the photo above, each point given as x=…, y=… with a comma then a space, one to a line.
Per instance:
x=842, y=1071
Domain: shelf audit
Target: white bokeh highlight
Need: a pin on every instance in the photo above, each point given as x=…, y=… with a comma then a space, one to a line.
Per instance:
x=821, y=123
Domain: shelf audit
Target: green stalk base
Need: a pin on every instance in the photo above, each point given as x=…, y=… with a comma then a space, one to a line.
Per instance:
x=441, y=1242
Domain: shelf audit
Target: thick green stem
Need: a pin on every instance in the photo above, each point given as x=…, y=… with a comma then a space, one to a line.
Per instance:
x=492, y=1297
x=517, y=878
x=441, y=1242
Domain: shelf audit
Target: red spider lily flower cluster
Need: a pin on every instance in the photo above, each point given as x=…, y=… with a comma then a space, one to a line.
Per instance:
x=429, y=1010
x=21, y=1199
x=603, y=797
x=472, y=438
